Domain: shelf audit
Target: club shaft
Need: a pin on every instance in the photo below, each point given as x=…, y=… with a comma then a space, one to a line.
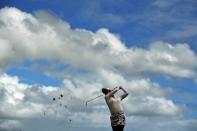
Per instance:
x=94, y=98
x=97, y=97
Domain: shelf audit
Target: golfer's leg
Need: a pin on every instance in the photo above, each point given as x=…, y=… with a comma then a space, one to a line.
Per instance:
x=120, y=127
x=115, y=128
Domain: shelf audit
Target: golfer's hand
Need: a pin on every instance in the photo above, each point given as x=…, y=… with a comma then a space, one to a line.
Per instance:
x=113, y=88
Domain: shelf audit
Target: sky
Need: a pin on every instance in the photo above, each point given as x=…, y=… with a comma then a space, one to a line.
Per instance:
x=75, y=48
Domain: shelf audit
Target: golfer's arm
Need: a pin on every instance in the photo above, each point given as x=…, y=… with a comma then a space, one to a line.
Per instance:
x=110, y=94
x=125, y=94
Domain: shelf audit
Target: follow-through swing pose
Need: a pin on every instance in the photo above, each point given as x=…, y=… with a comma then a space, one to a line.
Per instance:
x=114, y=103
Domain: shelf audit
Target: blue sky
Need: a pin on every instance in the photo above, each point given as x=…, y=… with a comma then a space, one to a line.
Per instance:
x=137, y=41
x=138, y=22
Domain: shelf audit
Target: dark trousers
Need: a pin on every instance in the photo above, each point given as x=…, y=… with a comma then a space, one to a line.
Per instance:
x=118, y=128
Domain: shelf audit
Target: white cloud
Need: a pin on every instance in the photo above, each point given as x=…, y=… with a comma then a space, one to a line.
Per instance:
x=18, y=100
x=162, y=124
x=27, y=37
x=152, y=106
x=22, y=101
x=9, y=125
x=41, y=36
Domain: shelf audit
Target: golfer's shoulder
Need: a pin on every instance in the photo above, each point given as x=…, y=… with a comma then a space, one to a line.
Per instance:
x=106, y=97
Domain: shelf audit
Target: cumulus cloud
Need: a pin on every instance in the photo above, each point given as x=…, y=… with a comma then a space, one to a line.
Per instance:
x=9, y=125
x=24, y=36
x=161, y=124
x=20, y=100
x=146, y=101
x=30, y=101
x=108, y=61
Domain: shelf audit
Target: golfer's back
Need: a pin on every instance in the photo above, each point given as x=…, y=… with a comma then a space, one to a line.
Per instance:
x=114, y=104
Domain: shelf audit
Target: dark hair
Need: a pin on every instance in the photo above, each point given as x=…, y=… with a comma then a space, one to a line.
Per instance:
x=105, y=91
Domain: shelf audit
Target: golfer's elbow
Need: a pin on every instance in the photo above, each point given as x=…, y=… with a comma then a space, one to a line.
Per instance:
x=126, y=94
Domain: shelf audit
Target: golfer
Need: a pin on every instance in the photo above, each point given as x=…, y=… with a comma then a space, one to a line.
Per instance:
x=114, y=104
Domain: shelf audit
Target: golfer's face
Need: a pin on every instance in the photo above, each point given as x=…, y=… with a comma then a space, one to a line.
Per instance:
x=108, y=91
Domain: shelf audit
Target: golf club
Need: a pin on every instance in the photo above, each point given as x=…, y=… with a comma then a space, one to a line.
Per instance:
x=96, y=97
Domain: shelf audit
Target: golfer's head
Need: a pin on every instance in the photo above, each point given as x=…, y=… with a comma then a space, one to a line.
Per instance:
x=105, y=91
